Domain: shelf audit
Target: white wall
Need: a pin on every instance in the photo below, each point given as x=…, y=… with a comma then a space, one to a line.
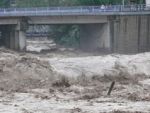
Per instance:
x=148, y=2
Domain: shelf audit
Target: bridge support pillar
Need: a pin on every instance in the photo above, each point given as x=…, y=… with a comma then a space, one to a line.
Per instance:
x=20, y=40
x=17, y=38
x=95, y=37
x=13, y=37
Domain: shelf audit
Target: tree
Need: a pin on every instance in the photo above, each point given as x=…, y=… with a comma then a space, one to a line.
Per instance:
x=32, y=3
x=5, y=3
x=46, y=3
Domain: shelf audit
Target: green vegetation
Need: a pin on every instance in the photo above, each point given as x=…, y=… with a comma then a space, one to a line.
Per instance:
x=4, y=3
x=67, y=35
x=46, y=3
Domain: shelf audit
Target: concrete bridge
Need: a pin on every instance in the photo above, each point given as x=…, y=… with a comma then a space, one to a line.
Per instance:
x=122, y=29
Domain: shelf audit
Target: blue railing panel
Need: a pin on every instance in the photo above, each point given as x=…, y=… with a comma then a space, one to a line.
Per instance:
x=79, y=10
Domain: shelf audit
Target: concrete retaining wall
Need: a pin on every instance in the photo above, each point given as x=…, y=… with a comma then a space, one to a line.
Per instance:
x=130, y=34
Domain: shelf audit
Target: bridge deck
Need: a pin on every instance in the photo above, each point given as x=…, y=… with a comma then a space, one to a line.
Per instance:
x=80, y=10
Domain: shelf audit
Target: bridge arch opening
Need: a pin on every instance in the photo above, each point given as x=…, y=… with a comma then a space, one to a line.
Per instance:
x=86, y=37
x=95, y=37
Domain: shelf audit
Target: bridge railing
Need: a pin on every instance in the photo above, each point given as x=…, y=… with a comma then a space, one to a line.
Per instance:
x=72, y=10
x=37, y=34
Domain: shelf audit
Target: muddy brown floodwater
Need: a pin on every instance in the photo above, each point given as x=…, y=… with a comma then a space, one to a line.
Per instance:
x=66, y=82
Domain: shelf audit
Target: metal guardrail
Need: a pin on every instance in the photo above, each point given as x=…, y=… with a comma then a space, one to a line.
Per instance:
x=37, y=34
x=79, y=10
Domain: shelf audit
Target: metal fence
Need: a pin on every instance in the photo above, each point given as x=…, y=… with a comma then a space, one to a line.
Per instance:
x=37, y=34
x=79, y=10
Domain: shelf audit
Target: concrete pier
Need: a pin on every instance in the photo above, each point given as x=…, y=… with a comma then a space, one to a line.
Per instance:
x=130, y=34
x=13, y=37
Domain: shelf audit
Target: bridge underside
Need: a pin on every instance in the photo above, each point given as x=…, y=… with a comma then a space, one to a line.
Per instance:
x=68, y=19
x=119, y=34
x=48, y=20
